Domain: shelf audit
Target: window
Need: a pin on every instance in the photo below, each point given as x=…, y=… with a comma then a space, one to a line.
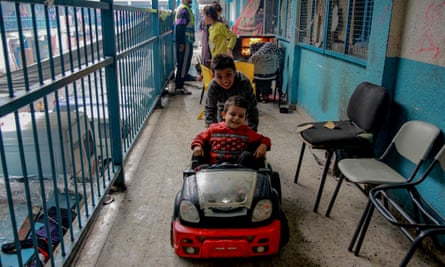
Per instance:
x=336, y=26
x=286, y=25
x=270, y=8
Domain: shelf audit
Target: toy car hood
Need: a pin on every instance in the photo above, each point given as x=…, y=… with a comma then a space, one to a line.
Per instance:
x=226, y=190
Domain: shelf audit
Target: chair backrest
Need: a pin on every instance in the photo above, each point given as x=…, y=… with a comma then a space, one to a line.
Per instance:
x=206, y=76
x=246, y=68
x=440, y=157
x=415, y=139
x=437, y=163
x=368, y=106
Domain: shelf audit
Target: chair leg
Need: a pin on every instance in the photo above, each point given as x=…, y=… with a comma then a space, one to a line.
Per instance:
x=416, y=242
x=275, y=91
x=411, y=250
x=359, y=227
x=365, y=224
x=297, y=173
x=323, y=179
x=201, y=114
x=334, y=196
x=202, y=95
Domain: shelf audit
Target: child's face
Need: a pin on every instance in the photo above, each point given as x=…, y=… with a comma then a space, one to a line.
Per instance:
x=234, y=117
x=225, y=77
x=207, y=19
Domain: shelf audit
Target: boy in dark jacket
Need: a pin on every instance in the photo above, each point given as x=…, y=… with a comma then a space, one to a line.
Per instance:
x=228, y=82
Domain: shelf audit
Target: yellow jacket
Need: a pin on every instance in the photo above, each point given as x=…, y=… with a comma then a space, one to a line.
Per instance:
x=221, y=38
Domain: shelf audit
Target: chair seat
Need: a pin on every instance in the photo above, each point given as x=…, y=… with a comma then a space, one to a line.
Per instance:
x=344, y=135
x=265, y=77
x=369, y=171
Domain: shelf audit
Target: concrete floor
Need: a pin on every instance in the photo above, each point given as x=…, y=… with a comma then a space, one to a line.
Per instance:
x=134, y=229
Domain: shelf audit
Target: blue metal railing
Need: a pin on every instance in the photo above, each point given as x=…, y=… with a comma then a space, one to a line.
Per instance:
x=75, y=90
x=27, y=23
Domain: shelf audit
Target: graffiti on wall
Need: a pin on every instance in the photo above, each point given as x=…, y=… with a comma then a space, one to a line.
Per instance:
x=433, y=32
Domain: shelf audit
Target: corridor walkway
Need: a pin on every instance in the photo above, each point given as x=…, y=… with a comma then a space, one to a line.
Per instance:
x=133, y=230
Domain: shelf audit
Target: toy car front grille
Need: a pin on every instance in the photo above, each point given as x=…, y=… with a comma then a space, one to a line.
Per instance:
x=225, y=212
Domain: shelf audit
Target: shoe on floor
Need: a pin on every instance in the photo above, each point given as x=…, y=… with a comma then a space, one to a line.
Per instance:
x=183, y=91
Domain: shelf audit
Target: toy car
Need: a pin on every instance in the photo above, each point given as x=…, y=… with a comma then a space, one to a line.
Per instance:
x=228, y=210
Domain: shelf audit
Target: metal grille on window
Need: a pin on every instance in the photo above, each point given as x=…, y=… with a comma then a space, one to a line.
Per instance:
x=286, y=23
x=347, y=29
x=270, y=18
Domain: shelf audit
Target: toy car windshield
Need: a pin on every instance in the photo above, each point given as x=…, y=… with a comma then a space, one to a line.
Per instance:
x=225, y=190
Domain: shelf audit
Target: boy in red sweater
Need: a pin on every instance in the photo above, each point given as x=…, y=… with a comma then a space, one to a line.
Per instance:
x=231, y=140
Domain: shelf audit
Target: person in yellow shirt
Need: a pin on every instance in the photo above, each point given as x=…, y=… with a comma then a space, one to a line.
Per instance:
x=221, y=38
x=204, y=27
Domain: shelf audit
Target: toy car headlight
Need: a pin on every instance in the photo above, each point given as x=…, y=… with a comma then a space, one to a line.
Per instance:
x=188, y=212
x=262, y=210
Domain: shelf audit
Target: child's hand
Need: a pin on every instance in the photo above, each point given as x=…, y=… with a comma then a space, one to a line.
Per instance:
x=198, y=151
x=260, y=152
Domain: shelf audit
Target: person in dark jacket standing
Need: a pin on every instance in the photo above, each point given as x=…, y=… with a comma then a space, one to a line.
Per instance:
x=184, y=38
x=228, y=82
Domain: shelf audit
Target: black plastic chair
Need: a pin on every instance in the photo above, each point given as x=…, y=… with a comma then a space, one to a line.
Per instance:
x=366, y=113
x=404, y=206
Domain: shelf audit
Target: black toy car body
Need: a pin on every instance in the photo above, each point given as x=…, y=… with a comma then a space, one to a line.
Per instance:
x=228, y=211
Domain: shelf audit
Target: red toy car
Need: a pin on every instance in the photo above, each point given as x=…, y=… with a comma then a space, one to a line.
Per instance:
x=229, y=211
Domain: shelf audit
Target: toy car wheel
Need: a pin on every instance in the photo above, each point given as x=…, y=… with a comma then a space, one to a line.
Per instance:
x=284, y=235
x=171, y=234
x=175, y=214
x=276, y=183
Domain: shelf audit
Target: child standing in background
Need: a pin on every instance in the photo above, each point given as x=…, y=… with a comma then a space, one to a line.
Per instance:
x=221, y=39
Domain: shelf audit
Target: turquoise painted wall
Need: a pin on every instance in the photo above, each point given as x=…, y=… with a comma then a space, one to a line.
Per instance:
x=419, y=92
x=415, y=70
x=325, y=85
x=406, y=54
x=322, y=85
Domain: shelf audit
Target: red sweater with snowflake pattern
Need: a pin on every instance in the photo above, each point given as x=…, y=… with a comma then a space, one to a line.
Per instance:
x=225, y=144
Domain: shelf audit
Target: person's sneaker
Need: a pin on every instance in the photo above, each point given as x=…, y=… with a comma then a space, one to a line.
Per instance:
x=183, y=91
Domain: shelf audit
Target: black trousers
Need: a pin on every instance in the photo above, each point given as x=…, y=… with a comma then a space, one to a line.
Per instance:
x=183, y=62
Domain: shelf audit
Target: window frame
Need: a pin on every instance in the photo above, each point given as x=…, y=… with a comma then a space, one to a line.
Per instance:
x=353, y=26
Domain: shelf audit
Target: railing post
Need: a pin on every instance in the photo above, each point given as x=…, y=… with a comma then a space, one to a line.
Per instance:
x=109, y=50
x=156, y=47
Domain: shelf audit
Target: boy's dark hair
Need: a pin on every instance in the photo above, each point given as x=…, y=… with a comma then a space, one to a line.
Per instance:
x=237, y=101
x=222, y=61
